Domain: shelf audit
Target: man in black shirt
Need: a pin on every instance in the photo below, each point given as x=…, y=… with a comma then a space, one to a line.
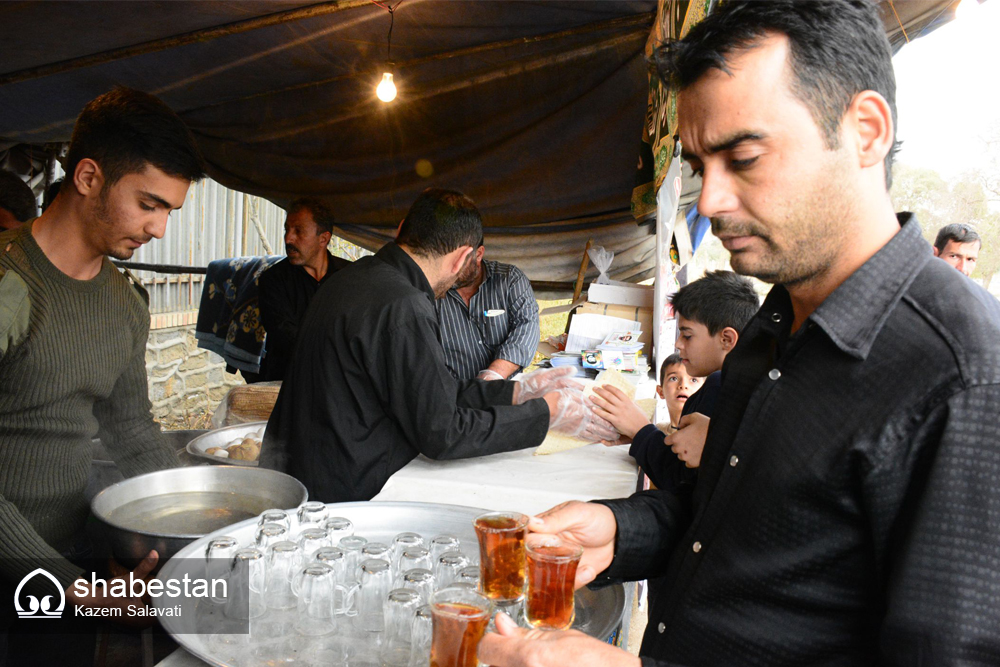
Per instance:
x=847, y=511
x=368, y=388
x=285, y=289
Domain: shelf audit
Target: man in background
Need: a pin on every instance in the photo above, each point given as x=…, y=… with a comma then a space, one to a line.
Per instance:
x=489, y=321
x=17, y=202
x=959, y=245
x=286, y=289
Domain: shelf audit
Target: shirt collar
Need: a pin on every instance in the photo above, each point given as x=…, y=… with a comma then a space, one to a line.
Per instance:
x=329, y=268
x=855, y=313
x=397, y=258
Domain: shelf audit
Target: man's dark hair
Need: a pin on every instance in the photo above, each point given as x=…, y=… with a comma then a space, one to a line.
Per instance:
x=441, y=221
x=673, y=360
x=16, y=196
x=959, y=232
x=838, y=49
x=718, y=300
x=321, y=213
x=125, y=129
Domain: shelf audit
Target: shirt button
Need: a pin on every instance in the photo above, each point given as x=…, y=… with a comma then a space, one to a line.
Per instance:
x=733, y=460
x=774, y=374
x=775, y=317
x=696, y=547
x=661, y=628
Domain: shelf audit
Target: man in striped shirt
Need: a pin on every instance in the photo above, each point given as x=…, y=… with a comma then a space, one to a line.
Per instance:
x=489, y=321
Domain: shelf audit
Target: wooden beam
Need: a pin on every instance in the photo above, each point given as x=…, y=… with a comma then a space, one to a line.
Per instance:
x=202, y=35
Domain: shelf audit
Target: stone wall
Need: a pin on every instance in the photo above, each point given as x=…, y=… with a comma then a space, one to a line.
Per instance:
x=185, y=381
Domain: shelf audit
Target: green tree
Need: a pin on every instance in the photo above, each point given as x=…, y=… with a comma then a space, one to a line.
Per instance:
x=925, y=193
x=965, y=199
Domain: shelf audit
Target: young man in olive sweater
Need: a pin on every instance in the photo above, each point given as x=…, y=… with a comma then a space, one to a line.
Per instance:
x=73, y=335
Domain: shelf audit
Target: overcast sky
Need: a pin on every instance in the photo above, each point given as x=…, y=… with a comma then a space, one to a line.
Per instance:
x=948, y=91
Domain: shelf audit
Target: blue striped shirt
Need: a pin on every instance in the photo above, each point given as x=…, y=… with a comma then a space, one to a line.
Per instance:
x=472, y=340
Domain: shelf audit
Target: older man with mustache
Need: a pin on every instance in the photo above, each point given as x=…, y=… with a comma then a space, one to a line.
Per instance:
x=287, y=288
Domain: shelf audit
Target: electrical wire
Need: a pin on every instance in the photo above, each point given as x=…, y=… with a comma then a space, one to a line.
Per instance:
x=389, y=8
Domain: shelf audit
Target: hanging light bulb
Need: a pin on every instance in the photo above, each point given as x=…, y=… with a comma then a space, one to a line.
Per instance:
x=386, y=89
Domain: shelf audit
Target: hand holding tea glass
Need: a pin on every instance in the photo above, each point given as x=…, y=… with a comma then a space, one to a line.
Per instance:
x=588, y=525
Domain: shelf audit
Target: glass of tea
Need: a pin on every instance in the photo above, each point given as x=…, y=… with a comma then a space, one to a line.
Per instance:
x=459, y=619
x=550, y=572
x=501, y=555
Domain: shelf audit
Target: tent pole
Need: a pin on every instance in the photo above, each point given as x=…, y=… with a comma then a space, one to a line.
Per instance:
x=203, y=35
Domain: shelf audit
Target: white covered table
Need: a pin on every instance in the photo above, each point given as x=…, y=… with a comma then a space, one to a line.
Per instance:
x=517, y=481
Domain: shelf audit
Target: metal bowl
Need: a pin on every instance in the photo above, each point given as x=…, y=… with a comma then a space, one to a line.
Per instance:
x=169, y=509
x=221, y=437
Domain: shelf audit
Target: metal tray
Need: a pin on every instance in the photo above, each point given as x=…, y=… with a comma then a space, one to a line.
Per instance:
x=221, y=437
x=598, y=613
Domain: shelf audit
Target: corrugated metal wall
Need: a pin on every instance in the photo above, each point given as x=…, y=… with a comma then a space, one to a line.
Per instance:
x=214, y=223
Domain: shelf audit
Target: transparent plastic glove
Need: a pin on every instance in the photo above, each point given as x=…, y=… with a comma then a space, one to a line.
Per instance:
x=539, y=383
x=487, y=374
x=574, y=416
x=602, y=260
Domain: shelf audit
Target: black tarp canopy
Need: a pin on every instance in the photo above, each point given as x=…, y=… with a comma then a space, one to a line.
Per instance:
x=534, y=109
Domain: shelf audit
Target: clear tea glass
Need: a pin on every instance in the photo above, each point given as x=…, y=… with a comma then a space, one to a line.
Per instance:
x=551, y=572
x=460, y=617
x=501, y=555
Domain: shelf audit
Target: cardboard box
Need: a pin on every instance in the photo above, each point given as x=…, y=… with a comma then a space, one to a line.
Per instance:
x=643, y=316
x=622, y=294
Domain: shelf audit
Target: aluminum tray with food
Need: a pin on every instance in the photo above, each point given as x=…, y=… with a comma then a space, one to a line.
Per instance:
x=237, y=445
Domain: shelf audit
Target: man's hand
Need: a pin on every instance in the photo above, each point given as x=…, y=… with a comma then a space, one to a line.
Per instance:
x=689, y=440
x=511, y=646
x=571, y=414
x=589, y=525
x=539, y=383
x=101, y=601
x=487, y=374
x=612, y=404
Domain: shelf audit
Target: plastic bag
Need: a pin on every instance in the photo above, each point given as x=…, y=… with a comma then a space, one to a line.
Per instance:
x=246, y=403
x=602, y=260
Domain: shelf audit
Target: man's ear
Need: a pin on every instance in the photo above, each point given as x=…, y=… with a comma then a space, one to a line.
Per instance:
x=328, y=236
x=455, y=260
x=88, y=177
x=480, y=251
x=728, y=337
x=937, y=253
x=871, y=118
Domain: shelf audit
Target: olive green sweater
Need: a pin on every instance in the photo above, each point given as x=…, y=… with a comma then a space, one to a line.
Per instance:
x=72, y=367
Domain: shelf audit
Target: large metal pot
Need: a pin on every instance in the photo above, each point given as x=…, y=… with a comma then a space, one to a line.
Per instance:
x=169, y=509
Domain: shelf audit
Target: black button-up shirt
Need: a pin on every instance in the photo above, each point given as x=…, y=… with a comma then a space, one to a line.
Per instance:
x=847, y=510
x=283, y=293
x=368, y=388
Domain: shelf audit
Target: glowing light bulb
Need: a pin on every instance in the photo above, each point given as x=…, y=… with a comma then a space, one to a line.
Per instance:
x=386, y=90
